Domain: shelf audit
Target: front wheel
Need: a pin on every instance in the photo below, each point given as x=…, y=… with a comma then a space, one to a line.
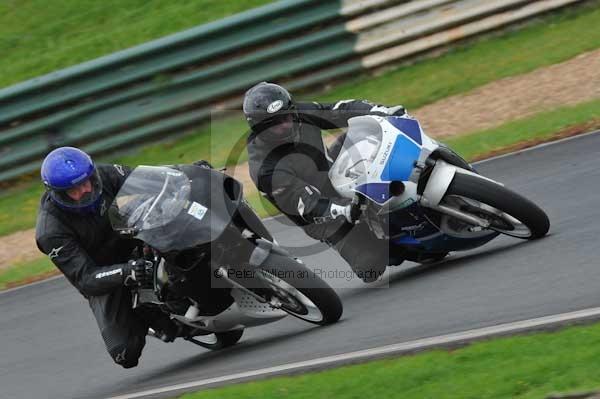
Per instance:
x=508, y=212
x=294, y=288
x=220, y=340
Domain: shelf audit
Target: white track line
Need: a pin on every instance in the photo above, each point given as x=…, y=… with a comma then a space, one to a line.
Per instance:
x=395, y=349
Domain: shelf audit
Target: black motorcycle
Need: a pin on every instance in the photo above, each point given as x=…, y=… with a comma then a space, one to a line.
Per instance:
x=217, y=270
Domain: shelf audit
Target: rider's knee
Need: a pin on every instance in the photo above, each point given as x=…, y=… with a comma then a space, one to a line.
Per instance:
x=370, y=274
x=127, y=356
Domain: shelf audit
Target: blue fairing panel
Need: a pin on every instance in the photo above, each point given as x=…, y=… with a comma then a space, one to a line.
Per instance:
x=378, y=192
x=410, y=127
x=407, y=240
x=444, y=243
x=400, y=164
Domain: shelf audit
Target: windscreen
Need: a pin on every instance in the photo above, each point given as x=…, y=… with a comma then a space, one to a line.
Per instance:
x=151, y=197
x=360, y=148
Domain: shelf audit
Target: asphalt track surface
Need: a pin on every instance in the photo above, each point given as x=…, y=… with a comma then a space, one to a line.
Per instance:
x=51, y=348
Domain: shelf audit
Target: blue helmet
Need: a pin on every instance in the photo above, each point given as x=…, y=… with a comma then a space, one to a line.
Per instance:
x=71, y=179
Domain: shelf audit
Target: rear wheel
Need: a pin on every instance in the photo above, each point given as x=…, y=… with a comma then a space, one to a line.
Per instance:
x=298, y=291
x=508, y=212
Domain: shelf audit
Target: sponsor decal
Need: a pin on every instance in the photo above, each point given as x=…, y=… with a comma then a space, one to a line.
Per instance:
x=120, y=358
x=300, y=207
x=54, y=253
x=414, y=228
x=406, y=203
x=386, y=153
x=275, y=106
x=119, y=169
x=109, y=273
x=198, y=211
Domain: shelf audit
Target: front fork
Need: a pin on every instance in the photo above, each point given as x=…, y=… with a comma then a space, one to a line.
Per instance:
x=440, y=179
x=156, y=263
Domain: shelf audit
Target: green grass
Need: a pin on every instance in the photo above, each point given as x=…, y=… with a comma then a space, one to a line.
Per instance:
x=542, y=127
x=216, y=142
x=38, y=37
x=524, y=367
x=18, y=208
x=551, y=40
x=25, y=271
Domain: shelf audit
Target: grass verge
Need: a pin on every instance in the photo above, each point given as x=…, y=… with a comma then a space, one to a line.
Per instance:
x=550, y=40
x=546, y=126
x=37, y=37
x=27, y=272
x=524, y=367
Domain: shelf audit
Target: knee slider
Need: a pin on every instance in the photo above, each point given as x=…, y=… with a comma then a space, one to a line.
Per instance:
x=128, y=356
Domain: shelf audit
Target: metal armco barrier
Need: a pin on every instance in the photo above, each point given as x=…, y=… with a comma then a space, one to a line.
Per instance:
x=173, y=83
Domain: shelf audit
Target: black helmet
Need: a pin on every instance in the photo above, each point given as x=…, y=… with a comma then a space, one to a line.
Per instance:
x=271, y=112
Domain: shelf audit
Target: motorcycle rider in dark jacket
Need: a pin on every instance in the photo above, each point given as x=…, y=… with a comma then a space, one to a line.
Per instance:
x=289, y=164
x=74, y=230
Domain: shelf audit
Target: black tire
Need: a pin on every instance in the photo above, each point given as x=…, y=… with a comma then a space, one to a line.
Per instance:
x=222, y=340
x=502, y=199
x=228, y=338
x=299, y=277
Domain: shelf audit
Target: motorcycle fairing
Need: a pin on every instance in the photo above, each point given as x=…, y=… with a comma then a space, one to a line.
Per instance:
x=208, y=207
x=442, y=242
x=401, y=162
x=378, y=192
x=409, y=127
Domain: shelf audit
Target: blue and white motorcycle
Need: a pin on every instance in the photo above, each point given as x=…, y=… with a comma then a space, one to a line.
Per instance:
x=422, y=196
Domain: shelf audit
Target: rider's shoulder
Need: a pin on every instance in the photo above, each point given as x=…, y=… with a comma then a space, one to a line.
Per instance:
x=48, y=225
x=112, y=169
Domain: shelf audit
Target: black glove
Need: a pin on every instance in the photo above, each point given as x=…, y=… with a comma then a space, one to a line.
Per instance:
x=138, y=273
x=397, y=110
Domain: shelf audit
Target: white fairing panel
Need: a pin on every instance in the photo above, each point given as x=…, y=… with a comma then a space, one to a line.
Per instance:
x=440, y=179
x=438, y=183
x=367, y=150
x=354, y=162
x=246, y=311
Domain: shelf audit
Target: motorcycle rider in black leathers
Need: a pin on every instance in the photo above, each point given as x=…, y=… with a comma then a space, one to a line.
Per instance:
x=289, y=164
x=74, y=230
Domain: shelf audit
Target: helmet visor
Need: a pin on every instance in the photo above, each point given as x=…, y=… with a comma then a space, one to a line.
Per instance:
x=278, y=128
x=81, y=196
